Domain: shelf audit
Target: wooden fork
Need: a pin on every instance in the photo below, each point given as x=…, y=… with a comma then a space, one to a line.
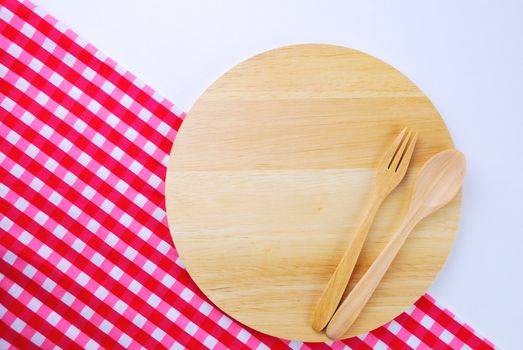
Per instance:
x=389, y=174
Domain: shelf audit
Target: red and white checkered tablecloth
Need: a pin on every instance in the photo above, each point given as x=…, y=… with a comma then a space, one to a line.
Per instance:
x=86, y=259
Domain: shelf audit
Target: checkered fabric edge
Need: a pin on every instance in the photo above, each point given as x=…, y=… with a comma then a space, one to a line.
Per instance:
x=86, y=259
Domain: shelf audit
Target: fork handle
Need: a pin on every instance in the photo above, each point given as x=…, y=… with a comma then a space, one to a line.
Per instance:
x=358, y=297
x=331, y=296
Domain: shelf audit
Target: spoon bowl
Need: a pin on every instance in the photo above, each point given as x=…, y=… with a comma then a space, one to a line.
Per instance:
x=438, y=182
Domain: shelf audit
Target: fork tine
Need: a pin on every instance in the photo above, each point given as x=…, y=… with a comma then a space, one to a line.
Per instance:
x=399, y=154
x=407, y=155
x=391, y=151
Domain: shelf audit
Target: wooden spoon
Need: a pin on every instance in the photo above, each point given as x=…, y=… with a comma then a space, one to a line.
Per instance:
x=391, y=170
x=438, y=182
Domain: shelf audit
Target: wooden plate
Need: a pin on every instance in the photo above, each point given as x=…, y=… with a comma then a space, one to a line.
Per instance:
x=268, y=175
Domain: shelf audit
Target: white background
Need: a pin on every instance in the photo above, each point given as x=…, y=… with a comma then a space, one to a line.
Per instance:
x=467, y=56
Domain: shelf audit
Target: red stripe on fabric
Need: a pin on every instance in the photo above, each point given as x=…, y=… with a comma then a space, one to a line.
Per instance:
x=386, y=336
x=108, y=222
x=98, y=245
x=451, y=324
x=54, y=303
x=79, y=110
x=75, y=197
x=69, y=284
x=12, y=337
x=422, y=333
x=94, y=63
x=99, y=306
x=356, y=343
x=37, y=322
x=89, y=148
x=86, y=265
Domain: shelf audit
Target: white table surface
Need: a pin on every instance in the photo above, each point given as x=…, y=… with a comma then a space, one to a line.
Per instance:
x=467, y=56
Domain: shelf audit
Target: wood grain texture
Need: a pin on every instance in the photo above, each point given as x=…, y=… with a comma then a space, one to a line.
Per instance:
x=389, y=173
x=269, y=174
x=439, y=181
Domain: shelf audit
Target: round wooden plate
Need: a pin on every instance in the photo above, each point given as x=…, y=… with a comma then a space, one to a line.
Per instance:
x=268, y=175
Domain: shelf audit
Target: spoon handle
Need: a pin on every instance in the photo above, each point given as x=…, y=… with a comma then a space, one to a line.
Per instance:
x=331, y=296
x=352, y=306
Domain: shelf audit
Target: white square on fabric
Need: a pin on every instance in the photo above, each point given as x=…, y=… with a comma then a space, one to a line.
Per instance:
x=108, y=87
x=59, y=231
x=34, y=304
x=44, y=251
x=126, y=101
x=9, y=257
x=149, y=267
x=56, y=79
x=106, y=326
x=75, y=93
x=37, y=339
x=84, y=159
x=79, y=125
x=72, y=332
x=88, y=192
x=191, y=328
x=53, y=318
x=87, y=312
x=173, y=314
x=93, y=225
x=243, y=336
x=74, y=212
x=139, y=320
x=117, y=153
x=187, y=294
x=131, y=134
x=14, y=50
x=51, y=164
x=28, y=118
x=68, y=299
x=78, y=245
x=82, y=279
x=224, y=322
x=29, y=271
x=36, y=184
x=413, y=342
x=135, y=286
x=69, y=59
x=124, y=340
x=97, y=259
x=98, y=139
x=103, y=172
x=153, y=300
x=21, y=204
x=158, y=334
x=210, y=342
x=49, y=285
x=111, y=239
x=22, y=84
x=88, y=73
x=15, y=291
x=101, y=293
x=46, y=131
x=36, y=65
x=18, y=325
x=120, y=307
x=116, y=273
x=130, y=253
x=41, y=218
x=28, y=30
x=49, y=45
x=65, y=145
x=12, y=137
